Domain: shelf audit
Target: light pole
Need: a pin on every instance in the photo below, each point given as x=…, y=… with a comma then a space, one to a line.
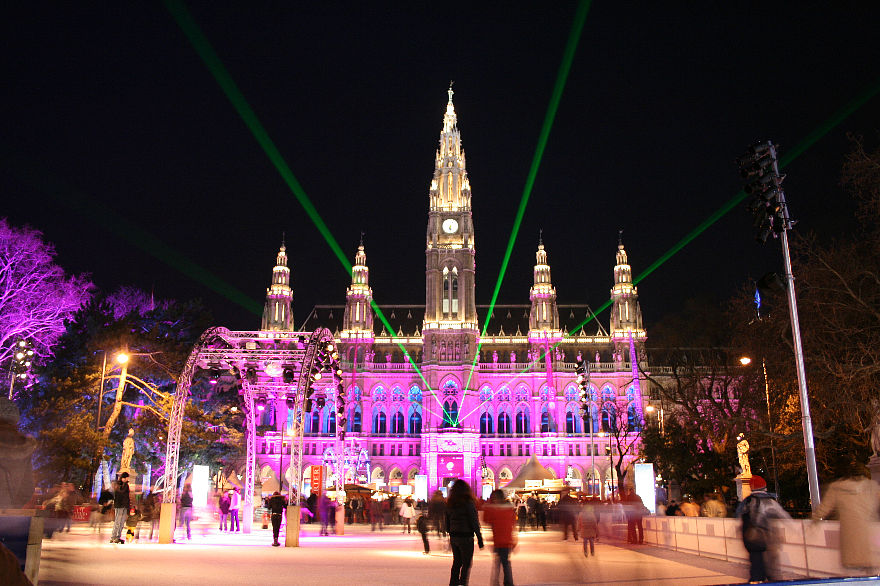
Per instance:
x=745, y=361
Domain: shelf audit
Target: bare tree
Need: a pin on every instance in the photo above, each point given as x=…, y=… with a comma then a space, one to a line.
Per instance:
x=36, y=296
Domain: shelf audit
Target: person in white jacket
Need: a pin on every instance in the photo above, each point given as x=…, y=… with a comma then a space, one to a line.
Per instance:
x=234, y=505
x=406, y=512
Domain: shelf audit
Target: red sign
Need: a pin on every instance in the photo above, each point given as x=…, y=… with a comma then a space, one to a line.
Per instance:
x=450, y=465
x=317, y=480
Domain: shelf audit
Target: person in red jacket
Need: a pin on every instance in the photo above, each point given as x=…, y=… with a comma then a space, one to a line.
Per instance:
x=501, y=517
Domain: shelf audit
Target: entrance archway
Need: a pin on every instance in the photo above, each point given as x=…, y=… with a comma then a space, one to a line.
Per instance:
x=277, y=367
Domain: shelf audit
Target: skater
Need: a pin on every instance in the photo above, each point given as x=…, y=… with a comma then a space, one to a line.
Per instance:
x=186, y=509
x=462, y=524
x=589, y=527
x=234, y=504
x=276, y=505
x=422, y=527
x=223, y=504
x=406, y=514
x=501, y=516
x=121, y=502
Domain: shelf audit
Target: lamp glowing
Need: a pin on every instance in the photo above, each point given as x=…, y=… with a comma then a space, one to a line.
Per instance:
x=745, y=360
x=122, y=358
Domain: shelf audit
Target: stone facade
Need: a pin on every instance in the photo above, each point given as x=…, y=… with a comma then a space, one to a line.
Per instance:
x=428, y=393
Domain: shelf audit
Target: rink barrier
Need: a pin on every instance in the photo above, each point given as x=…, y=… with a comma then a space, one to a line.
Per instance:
x=807, y=548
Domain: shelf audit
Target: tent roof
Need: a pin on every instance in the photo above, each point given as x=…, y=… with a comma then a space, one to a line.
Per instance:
x=532, y=470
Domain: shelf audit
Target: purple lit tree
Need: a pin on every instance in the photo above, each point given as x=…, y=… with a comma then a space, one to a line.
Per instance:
x=36, y=296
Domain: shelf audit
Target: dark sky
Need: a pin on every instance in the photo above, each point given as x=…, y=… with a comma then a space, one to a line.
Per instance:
x=109, y=113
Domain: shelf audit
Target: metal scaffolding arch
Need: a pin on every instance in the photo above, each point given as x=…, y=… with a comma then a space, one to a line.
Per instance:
x=269, y=366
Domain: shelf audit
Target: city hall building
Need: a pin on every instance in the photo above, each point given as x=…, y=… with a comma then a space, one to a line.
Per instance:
x=430, y=398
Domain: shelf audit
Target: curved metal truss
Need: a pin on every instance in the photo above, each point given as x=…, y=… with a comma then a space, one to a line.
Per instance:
x=269, y=366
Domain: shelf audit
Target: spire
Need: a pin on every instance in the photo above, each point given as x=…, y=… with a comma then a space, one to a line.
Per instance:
x=358, y=297
x=544, y=314
x=626, y=314
x=278, y=310
x=450, y=189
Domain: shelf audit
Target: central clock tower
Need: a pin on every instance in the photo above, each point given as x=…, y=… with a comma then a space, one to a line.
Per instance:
x=450, y=327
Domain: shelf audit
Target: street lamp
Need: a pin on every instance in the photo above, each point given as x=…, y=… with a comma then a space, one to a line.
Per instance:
x=122, y=359
x=745, y=361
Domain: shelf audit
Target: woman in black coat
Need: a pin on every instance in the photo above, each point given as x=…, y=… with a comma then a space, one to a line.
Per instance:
x=462, y=524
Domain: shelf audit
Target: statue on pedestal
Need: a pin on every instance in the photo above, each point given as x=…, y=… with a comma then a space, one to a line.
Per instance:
x=127, y=452
x=742, y=451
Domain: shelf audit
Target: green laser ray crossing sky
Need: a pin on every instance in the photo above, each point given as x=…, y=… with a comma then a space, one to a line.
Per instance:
x=212, y=61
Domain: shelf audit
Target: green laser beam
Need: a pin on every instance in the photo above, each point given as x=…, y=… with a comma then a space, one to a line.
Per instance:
x=221, y=75
x=823, y=129
x=574, y=36
x=100, y=214
x=209, y=57
x=811, y=139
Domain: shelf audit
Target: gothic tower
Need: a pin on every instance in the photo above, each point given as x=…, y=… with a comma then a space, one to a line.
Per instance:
x=626, y=315
x=358, y=319
x=278, y=311
x=450, y=326
x=544, y=314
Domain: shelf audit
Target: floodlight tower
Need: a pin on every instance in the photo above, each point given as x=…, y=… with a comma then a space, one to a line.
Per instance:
x=759, y=168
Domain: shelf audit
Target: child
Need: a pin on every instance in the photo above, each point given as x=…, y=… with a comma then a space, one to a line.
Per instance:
x=423, y=528
x=131, y=524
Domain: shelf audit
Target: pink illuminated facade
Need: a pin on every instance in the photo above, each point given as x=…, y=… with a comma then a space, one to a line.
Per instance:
x=427, y=394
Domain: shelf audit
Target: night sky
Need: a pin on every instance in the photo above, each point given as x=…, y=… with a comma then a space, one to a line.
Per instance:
x=117, y=137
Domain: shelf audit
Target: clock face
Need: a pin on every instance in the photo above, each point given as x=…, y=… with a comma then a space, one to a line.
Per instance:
x=450, y=226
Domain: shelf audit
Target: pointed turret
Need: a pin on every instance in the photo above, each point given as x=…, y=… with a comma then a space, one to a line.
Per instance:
x=278, y=311
x=450, y=188
x=544, y=314
x=358, y=315
x=626, y=315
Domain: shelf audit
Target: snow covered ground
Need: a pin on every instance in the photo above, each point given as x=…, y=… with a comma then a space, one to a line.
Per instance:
x=358, y=557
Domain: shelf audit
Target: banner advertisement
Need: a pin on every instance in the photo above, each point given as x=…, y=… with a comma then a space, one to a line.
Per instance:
x=317, y=480
x=450, y=465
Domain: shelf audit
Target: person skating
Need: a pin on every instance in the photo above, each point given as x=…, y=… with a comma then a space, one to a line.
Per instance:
x=856, y=500
x=462, y=524
x=276, y=505
x=131, y=525
x=234, y=505
x=223, y=505
x=121, y=503
x=423, y=528
x=186, y=509
x=406, y=514
x=588, y=525
x=501, y=516
x=757, y=511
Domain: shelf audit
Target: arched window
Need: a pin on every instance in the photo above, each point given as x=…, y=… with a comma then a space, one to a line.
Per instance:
x=503, y=423
x=415, y=394
x=485, y=394
x=486, y=423
x=609, y=417
x=592, y=418
x=548, y=425
x=415, y=420
x=379, y=423
x=397, y=423
x=522, y=420
x=450, y=414
x=354, y=419
x=633, y=418
x=570, y=422
x=331, y=419
x=316, y=422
